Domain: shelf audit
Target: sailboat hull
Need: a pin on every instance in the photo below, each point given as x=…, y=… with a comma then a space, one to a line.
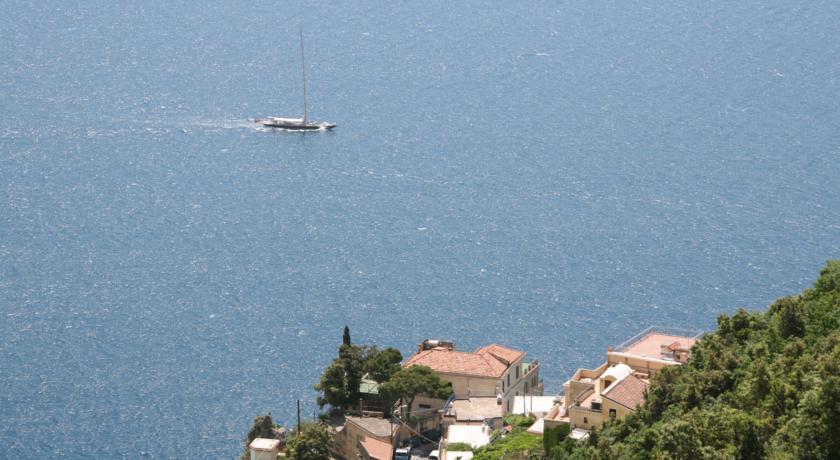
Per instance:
x=294, y=124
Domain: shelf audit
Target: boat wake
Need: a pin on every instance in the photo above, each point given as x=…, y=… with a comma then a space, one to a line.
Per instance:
x=209, y=125
x=220, y=125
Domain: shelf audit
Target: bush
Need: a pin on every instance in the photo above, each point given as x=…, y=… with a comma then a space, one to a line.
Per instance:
x=519, y=421
x=554, y=436
x=459, y=447
x=520, y=443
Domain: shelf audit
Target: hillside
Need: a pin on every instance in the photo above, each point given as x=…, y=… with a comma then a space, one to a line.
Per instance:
x=764, y=385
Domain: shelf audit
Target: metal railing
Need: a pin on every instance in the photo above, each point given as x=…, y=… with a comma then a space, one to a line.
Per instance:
x=584, y=408
x=665, y=330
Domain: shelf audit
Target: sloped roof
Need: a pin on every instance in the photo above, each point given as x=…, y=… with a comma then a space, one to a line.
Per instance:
x=502, y=353
x=629, y=392
x=375, y=426
x=376, y=449
x=490, y=361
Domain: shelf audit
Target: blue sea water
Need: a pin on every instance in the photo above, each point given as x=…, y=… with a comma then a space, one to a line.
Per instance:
x=554, y=176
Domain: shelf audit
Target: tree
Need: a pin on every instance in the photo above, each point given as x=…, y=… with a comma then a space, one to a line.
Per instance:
x=333, y=386
x=346, y=338
x=409, y=382
x=791, y=317
x=263, y=428
x=353, y=358
x=339, y=384
x=382, y=365
x=312, y=441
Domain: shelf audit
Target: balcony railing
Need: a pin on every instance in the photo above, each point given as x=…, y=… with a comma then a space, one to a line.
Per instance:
x=584, y=408
x=688, y=333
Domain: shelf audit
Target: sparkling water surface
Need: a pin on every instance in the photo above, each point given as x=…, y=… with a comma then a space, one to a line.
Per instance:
x=553, y=176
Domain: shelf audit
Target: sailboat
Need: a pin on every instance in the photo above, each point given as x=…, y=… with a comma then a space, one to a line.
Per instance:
x=302, y=124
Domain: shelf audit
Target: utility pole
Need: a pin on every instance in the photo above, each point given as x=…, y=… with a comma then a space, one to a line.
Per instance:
x=297, y=451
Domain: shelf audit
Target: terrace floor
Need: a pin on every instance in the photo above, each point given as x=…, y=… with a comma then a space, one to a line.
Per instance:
x=651, y=345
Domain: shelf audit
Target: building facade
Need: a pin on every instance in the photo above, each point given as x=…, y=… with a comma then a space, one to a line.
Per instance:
x=617, y=387
x=491, y=371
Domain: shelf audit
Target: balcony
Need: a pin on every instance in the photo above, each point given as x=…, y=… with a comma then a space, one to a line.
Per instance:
x=530, y=374
x=584, y=408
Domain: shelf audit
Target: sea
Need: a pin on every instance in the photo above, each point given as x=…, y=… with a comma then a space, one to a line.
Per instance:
x=554, y=176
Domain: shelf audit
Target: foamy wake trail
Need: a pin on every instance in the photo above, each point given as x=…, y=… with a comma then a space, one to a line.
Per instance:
x=219, y=124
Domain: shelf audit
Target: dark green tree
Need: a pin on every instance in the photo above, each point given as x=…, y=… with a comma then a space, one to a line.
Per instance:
x=382, y=365
x=409, y=382
x=353, y=358
x=346, y=338
x=263, y=427
x=333, y=386
x=339, y=384
x=791, y=317
x=312, y=441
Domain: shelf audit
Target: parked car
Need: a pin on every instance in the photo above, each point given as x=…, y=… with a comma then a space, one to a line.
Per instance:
x=403, y=453
x=434, y=455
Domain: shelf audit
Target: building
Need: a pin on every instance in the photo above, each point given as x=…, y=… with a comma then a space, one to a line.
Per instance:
x=264, y=449
x=492, y=371
x=369, y=438
x=617, y=387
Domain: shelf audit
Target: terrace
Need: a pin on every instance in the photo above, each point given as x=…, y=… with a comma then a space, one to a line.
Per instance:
x=660, y=343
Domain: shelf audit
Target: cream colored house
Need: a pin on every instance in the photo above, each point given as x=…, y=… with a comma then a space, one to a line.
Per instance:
x=493, y=371
x=618, y=387
x=369, y=438
x=264, y=449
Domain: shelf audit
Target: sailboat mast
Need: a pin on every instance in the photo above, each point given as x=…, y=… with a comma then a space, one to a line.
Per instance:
x=303, y=78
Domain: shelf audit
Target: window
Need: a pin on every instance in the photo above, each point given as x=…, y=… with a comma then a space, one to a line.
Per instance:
x=517, y=372
x=585, y=421
x=425, y=406
x=526, y=387
x=612, y=413
x=508, y=379
x=503, y=386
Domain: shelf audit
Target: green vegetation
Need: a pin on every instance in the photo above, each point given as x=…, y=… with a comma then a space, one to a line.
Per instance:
x=263, y=427
x=459, y=447
x=407, y=383
x=520, y=421
x=339, y=384
x=556, y=441
x=765, y=385
x=311, y=442
x=382, y=365
x=518, y=444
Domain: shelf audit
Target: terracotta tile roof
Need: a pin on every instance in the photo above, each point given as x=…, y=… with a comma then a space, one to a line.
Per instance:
x=375, y=426
x=502, y=353
x=629, y=392
x=376, y=449
x=490, y=361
